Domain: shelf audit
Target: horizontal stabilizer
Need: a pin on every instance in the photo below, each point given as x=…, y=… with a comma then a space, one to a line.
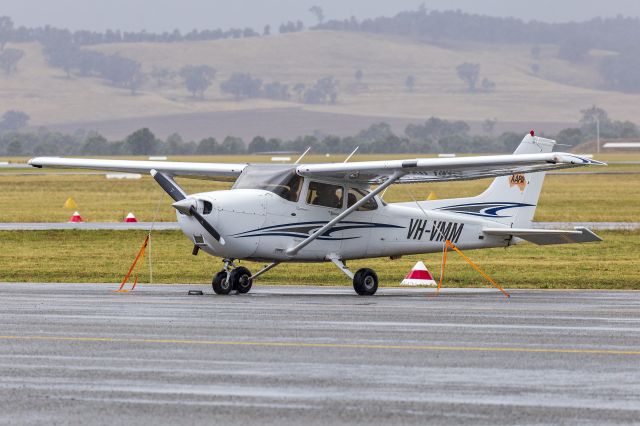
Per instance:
x=547, y=236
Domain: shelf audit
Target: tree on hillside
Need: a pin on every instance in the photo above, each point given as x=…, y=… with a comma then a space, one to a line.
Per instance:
x=6, y=28
x=489, y=124
x=318, y=13
x=592, y=115
x=571, y=136
x=436, y=128
x=198, y=78
x=535, y=52
x=621, y=71
x=574, y=49
x=208, y=146
x=232, y=145
x=535, y=68
x=276, y=91
x=410, y=83
x=299, y=89
x=257, y=144
x=141, y=142
x=487, y=85
x=96, y=144
x=122, y=72
x=242, y=85
x=325, y=90
x=469, y=73
x=13, y=120
x=9, y=59
x=291, y=27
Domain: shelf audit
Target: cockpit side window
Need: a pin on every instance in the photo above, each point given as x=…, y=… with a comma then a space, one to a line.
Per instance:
x=283, y=181
x=291, y=189
x=325, y=194
x=356, y=195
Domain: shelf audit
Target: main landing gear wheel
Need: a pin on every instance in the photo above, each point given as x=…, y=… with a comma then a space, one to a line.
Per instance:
x=221, y=285
x=365, y=282
x=240, y=279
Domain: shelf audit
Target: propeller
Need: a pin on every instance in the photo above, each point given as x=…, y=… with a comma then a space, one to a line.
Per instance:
x=183, y=204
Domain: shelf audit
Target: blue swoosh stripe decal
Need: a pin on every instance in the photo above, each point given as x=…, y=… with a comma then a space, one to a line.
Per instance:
x=491, y=210
x=304, y=229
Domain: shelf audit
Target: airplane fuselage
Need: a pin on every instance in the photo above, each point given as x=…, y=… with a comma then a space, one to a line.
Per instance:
x=260, y=225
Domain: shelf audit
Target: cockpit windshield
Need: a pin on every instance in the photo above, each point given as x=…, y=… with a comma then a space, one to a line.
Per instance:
x=282, y=180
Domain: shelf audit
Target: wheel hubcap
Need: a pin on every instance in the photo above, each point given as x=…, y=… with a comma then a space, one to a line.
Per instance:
x=244, y=280
x=225, y=283
x=369, y=282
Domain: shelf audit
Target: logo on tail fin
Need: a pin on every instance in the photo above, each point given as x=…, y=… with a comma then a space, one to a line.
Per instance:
x=518, y=180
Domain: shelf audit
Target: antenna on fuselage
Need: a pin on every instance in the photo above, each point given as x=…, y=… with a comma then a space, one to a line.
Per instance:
x=351, y=155
x=302, y=156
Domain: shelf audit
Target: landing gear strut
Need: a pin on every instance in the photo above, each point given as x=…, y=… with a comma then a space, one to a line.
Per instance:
x=365, y=280
x=232, y=278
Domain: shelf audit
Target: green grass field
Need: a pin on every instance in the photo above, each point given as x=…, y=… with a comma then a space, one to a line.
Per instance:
x=105, y=256
x=40, y=198
x=96, y=256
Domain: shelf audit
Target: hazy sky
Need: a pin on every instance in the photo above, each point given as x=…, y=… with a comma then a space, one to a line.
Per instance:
x=165, y=15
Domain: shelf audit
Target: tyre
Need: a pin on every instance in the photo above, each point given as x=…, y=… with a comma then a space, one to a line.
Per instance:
x=221, y=285
x=240, y=279
x=365, y=282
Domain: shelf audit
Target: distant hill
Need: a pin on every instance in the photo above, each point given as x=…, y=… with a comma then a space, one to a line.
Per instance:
x=551, y=98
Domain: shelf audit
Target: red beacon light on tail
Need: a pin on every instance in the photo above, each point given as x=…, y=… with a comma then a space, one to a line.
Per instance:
x=532, y=133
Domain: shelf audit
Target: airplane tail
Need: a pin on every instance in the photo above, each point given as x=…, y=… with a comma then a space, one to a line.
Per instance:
x=510, y=200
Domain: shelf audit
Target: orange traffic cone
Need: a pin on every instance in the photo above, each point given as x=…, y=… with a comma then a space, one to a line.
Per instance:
x=130, y=218
x=76, y=217
x=419, y=276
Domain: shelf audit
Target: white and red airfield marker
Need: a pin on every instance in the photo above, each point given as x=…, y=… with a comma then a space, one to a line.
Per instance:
x=75, y=217
x=419, y=276
x=130, y=218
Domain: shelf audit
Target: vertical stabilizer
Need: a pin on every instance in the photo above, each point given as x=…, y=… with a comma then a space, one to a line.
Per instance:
x=520, y=191
x=509, y=200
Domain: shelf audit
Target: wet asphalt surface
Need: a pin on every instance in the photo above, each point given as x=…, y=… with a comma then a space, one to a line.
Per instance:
x=82, y=354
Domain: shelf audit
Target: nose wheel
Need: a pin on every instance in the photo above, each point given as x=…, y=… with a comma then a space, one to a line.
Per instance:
x=232, y=278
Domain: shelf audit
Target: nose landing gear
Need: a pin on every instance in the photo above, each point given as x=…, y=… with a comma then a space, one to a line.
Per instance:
x=232, y=278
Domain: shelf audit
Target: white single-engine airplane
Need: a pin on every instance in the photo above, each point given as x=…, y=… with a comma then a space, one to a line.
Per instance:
x=328, y=212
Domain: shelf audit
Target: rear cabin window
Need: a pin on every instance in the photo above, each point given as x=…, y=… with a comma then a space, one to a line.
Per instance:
x=356, y=195
x=325, y=194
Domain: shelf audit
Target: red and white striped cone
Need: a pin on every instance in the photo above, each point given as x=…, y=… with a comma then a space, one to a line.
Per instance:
x=130, y=218
x=76, y=218
x=419, y=276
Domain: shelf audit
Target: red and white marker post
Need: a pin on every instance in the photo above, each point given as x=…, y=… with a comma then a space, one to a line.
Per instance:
x=76, y=218
x=419, y=276
x=130, y=218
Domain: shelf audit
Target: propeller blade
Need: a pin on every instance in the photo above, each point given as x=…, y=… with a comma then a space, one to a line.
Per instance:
x=182, y=203
x=206, y=225
x=169, y=186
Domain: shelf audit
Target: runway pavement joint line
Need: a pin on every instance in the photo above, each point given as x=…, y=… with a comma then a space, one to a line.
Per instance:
x=329, y=345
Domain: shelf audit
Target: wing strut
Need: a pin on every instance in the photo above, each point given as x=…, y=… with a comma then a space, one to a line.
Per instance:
x=294, y=250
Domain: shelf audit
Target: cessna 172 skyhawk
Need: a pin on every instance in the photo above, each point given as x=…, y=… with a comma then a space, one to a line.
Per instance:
x=328, y=212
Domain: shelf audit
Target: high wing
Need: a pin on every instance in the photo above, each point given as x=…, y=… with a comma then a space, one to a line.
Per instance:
x=444, y=169
x=547, y=236
x=212, y=171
